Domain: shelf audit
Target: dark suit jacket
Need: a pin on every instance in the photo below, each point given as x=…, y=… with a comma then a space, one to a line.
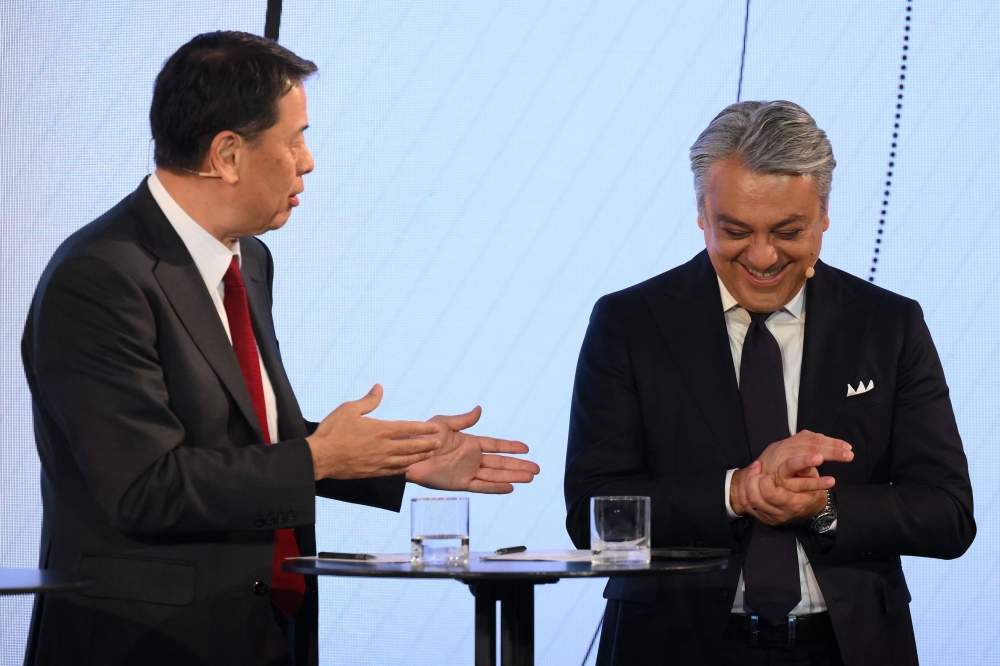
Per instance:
x=656, y=411
x=155, y=479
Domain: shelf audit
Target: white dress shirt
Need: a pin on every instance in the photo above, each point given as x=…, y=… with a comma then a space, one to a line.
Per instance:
x=788, y=326
x=212, y=258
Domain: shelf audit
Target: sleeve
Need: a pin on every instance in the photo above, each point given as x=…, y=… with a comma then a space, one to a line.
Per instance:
x=100, y=384
x=606, y=452
x=926, y=510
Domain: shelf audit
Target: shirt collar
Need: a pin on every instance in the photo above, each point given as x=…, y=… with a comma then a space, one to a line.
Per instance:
x=211, y=256
x=795, y=307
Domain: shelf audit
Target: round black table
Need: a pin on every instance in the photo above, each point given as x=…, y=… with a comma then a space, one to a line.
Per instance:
x=34, y=581
x=512, y=583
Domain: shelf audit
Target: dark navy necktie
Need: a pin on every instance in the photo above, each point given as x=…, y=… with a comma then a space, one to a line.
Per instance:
x=771, y=568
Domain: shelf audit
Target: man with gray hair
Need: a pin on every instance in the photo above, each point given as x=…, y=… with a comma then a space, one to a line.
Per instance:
x=818, y=451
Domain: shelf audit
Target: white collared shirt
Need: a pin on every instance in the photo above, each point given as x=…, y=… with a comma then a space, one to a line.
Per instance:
x=788, y=326
x=212, y=258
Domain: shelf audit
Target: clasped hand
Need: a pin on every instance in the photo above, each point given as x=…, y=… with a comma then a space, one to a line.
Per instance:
x=783, y=485
x=436, y=453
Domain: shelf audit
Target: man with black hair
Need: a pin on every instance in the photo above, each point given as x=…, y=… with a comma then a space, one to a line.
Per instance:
x=177, y=469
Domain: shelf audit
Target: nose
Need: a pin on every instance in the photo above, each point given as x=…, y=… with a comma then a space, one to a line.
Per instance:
x=761, y=255
x=306, y=163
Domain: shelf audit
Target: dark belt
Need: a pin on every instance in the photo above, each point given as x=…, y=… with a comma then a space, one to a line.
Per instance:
x=749, y=630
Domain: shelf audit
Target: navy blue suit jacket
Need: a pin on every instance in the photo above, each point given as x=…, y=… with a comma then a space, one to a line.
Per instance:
x=656, y=411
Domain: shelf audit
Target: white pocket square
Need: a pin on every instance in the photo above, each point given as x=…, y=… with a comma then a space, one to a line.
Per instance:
x=861, y=388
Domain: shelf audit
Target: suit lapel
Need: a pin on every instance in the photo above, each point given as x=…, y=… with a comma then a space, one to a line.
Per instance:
x=183, y=286
x=290, y=421
x=837, y=323
x=688, y=312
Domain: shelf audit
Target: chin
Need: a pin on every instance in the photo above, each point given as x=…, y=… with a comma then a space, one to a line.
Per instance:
x=278, y=221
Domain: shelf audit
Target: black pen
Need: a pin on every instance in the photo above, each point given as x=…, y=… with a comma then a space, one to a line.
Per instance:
x=346, y=556
x=511, y=550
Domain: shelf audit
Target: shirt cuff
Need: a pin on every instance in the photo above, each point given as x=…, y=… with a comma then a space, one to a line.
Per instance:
x=729, y=508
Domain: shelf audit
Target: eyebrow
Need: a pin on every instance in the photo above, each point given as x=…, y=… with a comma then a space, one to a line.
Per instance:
x=791, y=219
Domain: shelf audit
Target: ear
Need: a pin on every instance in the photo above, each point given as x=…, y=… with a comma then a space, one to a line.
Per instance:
x=826, y=218
x=224, y=155
x=701, y=223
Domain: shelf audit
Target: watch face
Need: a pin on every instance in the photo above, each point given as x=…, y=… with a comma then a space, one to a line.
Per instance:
x=824, y=523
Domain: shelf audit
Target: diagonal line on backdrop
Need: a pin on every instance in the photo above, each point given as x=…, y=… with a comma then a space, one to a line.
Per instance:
x=743, y=54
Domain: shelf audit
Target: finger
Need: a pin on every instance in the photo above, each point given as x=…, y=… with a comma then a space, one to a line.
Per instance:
x=369, y=403
x=490, y=488
x=774, y=495
x=750, y=494
x=824, y=443
x=798, y=464
x=413, y=445
x=494, y=445
x=401, y=429
x=400, y=463
x=503, y=462
x=803, y=485
x=750, y=480
x=834, y=453
x=504, y=475
x=461, y=421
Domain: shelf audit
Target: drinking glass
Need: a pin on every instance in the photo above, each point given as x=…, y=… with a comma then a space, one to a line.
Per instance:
x=439, y=530
x=619, y=530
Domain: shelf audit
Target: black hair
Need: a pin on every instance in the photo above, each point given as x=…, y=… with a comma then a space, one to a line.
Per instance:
x=219, y=81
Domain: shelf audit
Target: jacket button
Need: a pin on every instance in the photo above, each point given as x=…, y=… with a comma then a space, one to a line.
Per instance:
x=282, y=517
x=271, y=520
x=291, y=516
x=722, y=596
x=260, y=588
x=260, y=522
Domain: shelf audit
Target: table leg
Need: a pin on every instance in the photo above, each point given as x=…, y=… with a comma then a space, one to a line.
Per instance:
x=517, y=624
x=486, y=624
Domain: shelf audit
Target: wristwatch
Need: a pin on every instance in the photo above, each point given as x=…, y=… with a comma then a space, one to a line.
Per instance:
x=823, y=521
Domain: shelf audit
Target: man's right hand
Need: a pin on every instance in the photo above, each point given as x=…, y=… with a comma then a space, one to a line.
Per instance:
x=348, y=445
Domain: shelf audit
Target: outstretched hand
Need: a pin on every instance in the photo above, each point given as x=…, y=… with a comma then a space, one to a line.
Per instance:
x=468, y=462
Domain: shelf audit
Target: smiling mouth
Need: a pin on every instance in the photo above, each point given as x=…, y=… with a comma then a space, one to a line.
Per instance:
x=765, y=275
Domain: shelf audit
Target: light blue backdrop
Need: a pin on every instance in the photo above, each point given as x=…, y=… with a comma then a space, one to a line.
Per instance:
x=485, y=171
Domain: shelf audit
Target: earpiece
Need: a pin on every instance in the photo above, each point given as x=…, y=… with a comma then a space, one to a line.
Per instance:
x=810, y=272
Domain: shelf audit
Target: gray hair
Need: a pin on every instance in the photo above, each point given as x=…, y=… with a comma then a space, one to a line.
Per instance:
x=767, y=137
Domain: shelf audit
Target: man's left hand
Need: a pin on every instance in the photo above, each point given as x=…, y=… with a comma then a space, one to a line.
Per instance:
x=464, y=461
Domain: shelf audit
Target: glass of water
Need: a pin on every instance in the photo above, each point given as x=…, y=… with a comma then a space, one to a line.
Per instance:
x=439, y=530
x=619, y=530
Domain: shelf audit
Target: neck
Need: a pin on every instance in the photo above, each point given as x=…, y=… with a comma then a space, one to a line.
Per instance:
x=204, y=200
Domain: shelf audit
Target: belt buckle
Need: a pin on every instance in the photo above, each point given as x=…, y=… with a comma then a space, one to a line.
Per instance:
x=755, y=631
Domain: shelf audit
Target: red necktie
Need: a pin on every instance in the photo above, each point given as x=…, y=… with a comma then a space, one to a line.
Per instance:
x=287, y=589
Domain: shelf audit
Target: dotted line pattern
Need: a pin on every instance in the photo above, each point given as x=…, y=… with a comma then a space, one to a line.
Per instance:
x=895, y=138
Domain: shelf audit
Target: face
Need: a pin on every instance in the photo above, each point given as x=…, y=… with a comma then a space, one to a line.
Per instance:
x=270, y=172
x=762, y=232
